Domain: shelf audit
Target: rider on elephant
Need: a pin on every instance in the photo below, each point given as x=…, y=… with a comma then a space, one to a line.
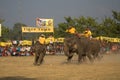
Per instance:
x=42, y=39
x=71, y=31
x=87, y=33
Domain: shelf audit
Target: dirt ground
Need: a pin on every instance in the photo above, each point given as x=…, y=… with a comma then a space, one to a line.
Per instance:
x=56, y=68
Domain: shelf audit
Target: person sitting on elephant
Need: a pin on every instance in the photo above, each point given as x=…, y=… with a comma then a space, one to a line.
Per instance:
x=42, y=39
x=87, y=33
x=71, y=31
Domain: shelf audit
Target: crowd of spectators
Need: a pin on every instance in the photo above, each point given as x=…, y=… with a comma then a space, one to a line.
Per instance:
x=56, y=48
x=112, y=48
x=16, y=50
x=25, y=50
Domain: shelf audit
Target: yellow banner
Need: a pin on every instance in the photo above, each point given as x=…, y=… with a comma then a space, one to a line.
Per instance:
x=37, y=29
x=5, y=43
x=26, y=42
x=109, y=39
x=44, y=23
x=54, y=40
x=59, y=40
x=29, y=42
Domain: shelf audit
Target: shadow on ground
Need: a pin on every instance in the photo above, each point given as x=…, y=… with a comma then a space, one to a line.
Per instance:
x=16, y=78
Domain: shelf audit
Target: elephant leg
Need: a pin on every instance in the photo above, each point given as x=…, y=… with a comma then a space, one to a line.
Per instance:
x=40, y=60
x=84, y=58
x=99, y=56
x=80, y=57
x=90, y=57
x=69, y=58
x=43, y=56
x=36, y=59
x=95, y=55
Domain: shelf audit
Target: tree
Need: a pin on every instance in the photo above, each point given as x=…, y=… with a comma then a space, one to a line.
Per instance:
x=17, y=32
x=116, y=16
x=4, y=32
x=111, y=26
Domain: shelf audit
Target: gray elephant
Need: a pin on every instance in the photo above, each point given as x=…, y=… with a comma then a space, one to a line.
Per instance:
x=40, y=51
x=84, y=47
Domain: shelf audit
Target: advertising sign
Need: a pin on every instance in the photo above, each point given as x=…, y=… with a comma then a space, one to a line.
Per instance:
x=36, y=29
x=44, y=23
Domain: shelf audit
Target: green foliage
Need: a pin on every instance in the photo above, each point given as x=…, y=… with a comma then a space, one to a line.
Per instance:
x=111, y=27
x=17, y=32
x=4, y=32
x=116, y=15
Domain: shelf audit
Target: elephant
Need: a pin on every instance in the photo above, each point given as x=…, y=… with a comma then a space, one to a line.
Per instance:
x=84, y=47
x=40, y=51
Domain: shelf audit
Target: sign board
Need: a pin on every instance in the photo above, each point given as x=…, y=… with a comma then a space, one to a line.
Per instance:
x=36, y=29
x=44, y=23
x=109, y=39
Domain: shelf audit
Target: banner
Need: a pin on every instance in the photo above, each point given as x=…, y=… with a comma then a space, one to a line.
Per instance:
x=109, y=39
x=44, y=23
x=26, y=42
x=37, y=29
x=0, y=30
x=59, y=40
x=54, y=40
x=5, y=44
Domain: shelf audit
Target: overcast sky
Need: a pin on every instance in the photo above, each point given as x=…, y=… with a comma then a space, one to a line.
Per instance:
x=26, y=11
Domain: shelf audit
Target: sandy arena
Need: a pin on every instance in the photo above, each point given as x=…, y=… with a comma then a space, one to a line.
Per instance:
x=55, y=68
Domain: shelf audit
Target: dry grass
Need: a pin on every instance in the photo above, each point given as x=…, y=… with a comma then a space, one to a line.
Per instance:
x=55, y=68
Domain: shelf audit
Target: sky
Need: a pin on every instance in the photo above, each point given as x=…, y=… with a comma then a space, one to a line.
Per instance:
x=26, y=11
